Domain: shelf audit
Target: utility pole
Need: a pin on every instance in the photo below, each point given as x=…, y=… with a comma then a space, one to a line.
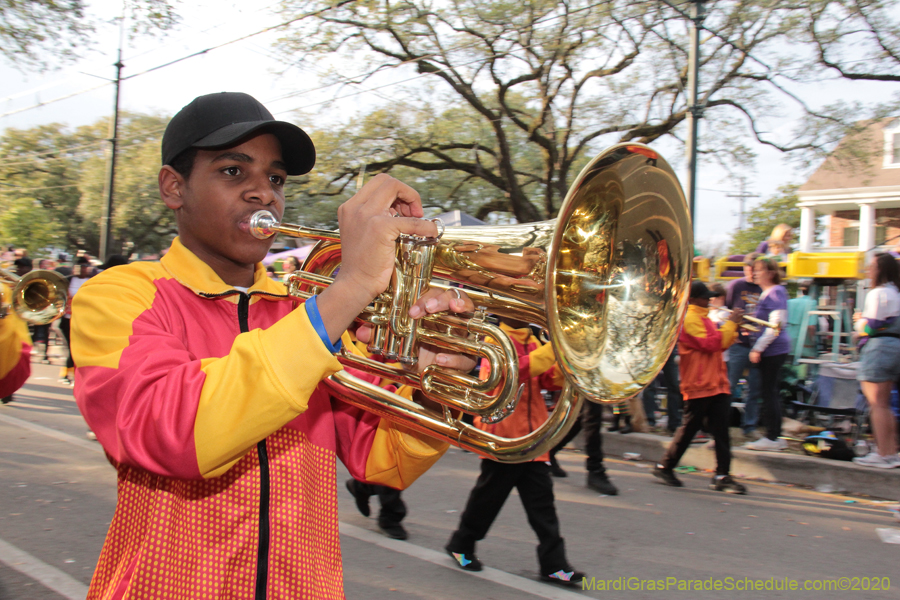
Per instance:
x=106, y=216
x=695, y=109
x=742, y=198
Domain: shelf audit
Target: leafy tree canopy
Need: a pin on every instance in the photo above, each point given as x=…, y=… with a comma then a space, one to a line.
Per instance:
x=780, y=208
x=43, y=32
x=64, y=174
x=25, y=223
x=511, y=98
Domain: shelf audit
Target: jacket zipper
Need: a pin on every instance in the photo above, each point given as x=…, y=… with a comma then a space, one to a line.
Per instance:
x=262, y=556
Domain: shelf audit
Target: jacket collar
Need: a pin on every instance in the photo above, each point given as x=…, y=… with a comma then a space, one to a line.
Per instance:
x=520, y=335
x=698, y=310
x=194, y=274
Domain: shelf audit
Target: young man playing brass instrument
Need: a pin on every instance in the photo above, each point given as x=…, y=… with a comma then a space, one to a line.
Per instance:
x=200, y=377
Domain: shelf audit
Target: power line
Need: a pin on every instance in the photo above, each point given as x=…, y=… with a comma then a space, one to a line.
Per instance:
x=742, y=199
x=66, y=97
x=272, y=28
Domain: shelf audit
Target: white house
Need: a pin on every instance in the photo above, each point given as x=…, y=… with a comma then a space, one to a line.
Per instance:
x=861, y=201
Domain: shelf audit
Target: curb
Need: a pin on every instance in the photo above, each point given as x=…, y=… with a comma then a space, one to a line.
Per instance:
x=819, y=473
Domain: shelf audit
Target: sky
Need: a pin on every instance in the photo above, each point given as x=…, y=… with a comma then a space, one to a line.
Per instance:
x=253, y=66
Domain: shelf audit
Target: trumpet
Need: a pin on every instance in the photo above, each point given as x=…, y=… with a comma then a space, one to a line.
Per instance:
x=752, y=323
x=38, y=297
x=607, y=281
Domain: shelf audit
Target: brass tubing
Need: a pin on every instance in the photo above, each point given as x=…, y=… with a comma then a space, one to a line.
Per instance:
x=753, y=324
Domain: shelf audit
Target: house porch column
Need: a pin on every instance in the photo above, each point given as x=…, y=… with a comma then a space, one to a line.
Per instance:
x=866, y=226
x=807, y=228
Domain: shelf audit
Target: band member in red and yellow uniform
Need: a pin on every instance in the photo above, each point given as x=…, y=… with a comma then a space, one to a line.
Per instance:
x=201, y=377
x=537, y=371
x=705, y=387
x=15, y=348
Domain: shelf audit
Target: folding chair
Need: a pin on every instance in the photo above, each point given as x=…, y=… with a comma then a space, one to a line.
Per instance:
x=835, y=399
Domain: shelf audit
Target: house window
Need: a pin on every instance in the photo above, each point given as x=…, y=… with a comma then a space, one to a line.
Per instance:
x=851, y=235
x=896, y=148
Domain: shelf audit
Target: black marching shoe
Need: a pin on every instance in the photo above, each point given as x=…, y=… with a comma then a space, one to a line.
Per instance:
x=362, y=499
x=666, y=476
x=724, y=483
x=393, y=530
x=566, y=578
x=555, y=469
x=7, y=399
x=599, y=482
x=466, y=561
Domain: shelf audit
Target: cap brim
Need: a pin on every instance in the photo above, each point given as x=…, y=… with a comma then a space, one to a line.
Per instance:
x=297, y=150
x=707, y=295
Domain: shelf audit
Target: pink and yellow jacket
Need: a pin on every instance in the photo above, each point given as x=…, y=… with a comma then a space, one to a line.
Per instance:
x=538, y=371
x=700, y=346
x=207, y=402
x=15, y=349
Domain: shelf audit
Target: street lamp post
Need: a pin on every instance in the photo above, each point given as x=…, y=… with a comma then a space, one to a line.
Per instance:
x=695, y=108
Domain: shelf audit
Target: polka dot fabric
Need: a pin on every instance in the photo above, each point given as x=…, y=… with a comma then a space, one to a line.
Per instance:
x=199, y=539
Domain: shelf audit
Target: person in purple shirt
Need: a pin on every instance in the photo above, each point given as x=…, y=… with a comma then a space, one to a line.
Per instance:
x=770, y=349
x=744, y=293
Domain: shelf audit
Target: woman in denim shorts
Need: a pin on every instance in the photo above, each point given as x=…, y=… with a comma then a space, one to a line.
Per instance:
x=879, y=359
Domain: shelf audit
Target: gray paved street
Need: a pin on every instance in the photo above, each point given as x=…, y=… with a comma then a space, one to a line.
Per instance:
x=57, y=494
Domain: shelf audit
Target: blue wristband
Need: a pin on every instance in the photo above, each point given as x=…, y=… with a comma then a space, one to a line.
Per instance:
x=312, y=311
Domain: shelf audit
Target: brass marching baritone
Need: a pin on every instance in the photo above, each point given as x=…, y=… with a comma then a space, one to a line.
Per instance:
x=607, y=280
x=38, y=297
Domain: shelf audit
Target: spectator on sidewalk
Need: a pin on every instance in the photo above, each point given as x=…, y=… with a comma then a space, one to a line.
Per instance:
x=798, y=309
x=770, y=350
x=879, y=358
x=718, y=314
x=744, y=294
x=704, y=385
x=289, y=265
x=778, y=246
x=674, y=401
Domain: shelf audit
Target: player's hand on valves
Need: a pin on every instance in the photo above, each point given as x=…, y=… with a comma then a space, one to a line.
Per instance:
x=434, y=301
x=369, y=231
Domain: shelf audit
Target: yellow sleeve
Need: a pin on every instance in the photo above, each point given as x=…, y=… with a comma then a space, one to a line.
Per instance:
x=729, y=331
x=400, y=455
x=541, y=360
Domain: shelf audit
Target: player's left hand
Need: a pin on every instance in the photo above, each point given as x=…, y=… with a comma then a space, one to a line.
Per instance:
x=433, y=301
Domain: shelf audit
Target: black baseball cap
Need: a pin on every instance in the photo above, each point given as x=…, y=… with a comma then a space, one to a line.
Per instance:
x=699, y=290
x=221, y=120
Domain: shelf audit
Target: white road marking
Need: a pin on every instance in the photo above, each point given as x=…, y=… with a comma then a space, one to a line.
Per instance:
x=59, y=435
x=541, y=590
x=50, y=577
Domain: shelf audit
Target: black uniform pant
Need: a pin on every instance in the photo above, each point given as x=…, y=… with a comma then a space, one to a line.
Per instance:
x=532, y=480
x=393, y=509
x=590, y=419
x=770, y=376
x=65, y=325
x=715, y=410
